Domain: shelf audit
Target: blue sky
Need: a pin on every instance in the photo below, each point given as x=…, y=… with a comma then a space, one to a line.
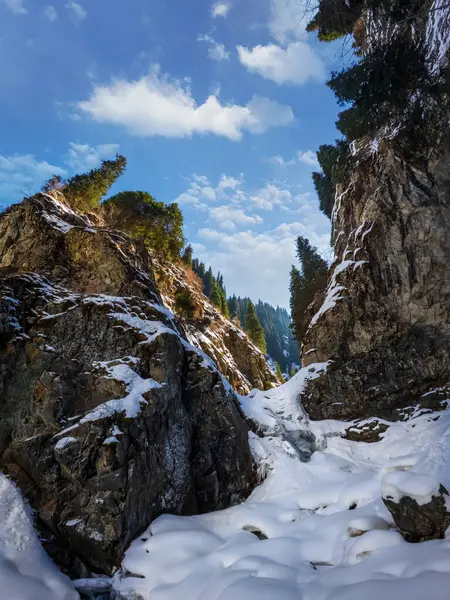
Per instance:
x=218, y=106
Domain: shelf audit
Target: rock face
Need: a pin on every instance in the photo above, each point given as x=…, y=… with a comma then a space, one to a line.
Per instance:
x=108, y=415
x=383, y=321
x=238, y=359
x=418, y=519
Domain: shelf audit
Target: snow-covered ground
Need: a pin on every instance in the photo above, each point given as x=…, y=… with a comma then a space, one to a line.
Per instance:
x=314, y=530
x=26, y=572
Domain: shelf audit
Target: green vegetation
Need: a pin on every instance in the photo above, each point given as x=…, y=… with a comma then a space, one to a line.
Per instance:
x=158, y=225
x=279, y=372
x=187, y=256
x=276, y=324
x=304, y=285
x=84, y=192
x=335, y=162
x=185, y=305
x=213, y=286
x=253, y=328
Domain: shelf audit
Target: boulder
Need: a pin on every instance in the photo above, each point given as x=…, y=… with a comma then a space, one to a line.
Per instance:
x=419, y=505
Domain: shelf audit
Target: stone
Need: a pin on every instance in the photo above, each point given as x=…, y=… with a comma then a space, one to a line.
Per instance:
x=108, y=416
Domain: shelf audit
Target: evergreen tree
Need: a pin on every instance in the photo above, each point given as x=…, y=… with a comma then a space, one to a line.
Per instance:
x=216, y=296
x=253, y=328
x=279, y=372
x=85, y=191
x=305, y=285
x=158, y=225
x=233, y=307
x=187, y=256
x=208, y=283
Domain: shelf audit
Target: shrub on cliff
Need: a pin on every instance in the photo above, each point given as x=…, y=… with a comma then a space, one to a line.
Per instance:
x=335, y=162
x=158, y=225
x=185, y=305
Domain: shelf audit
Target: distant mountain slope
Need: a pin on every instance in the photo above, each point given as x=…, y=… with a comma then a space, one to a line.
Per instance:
x=281, y=345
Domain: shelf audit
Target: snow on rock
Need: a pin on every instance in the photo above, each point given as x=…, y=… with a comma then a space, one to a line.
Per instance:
x=130, y=405
x=334, y=288
x=315, y=530
x=26, y=572
x=420, y=488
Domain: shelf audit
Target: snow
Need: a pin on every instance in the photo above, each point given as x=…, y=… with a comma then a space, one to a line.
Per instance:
x=63, y=442
x=334, y=288
x=329, y=534
x=419, y=487
x=130, y=405
x=26, y=572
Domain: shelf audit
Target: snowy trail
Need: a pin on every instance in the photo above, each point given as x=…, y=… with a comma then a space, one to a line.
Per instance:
x=314, y=530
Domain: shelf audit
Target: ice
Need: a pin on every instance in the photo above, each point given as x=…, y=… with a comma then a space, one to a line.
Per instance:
x=315, y=530
x=26, y=572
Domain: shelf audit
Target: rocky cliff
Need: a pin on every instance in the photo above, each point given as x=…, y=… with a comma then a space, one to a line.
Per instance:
x=383, y=321
x=109, y=415
x=238, y=359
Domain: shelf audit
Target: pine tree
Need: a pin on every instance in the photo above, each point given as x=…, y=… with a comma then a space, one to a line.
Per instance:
x=279, y=373
x=208, y=282
x=253, y=328
x=216, y=296
x=85, y=191
x=233, y=306
x=304, y=286
x=187, y=256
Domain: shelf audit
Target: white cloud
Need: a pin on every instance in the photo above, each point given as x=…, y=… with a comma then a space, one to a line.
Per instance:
x=254, y=263
x=15, y=6
x=258, y=264
x=23, y=175
x=308, y=157
x=50, y=13
x=288, y=19
x=270, y=196
x=216, y=51
x=78, y=12
x=279, y=160
x=227, y=217
x=220, y=9
x=159, y=105
x=83, y=157
x=297, y=63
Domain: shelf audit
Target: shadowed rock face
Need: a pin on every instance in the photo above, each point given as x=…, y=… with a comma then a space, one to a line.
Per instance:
x=420, y=522
x=108, y=416
x=383, y=321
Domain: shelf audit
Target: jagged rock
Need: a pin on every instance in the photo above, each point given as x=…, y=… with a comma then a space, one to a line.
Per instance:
x=419, y=516
x=108, y=416
x=383, y=321
x=238, y=359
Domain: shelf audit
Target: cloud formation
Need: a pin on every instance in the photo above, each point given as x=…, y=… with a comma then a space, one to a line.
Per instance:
x=257, y=264
x=15, y=6
x=296, y=64
x=50, y=13
x=220, y=9
x=78, y=12
x=83, y=157
x=308, y=157
x=288, y=20
x=216, y=51
x=22, y=175
x=157, y=105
